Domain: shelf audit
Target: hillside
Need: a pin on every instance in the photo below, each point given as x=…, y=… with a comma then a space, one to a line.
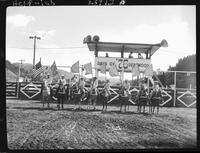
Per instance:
x=12, y=69
x=10, y=76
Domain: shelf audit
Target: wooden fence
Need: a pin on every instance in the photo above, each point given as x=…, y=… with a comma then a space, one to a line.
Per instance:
x=33, y=91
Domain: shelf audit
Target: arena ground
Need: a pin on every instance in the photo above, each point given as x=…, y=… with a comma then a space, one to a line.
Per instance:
x=29, y=126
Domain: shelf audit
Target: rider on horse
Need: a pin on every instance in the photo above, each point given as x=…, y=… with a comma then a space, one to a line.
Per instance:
x=82, y=86
x=106, y=95
x=72, y=86
x=126, y=86
x=47, y=90
x=156, y=97
x=142, y=97
x=47, y=83
x=93, y=91
x=61, y=94
x=124, y=94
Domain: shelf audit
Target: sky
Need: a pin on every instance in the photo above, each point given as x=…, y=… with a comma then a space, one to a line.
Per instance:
x=63, y=28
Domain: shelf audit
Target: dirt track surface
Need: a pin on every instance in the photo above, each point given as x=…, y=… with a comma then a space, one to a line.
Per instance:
x=29, y=126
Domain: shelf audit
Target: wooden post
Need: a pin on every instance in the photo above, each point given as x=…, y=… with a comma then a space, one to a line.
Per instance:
x=174, y=89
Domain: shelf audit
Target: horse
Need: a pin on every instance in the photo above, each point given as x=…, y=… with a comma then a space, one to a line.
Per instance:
x=104, y=96
x=78, y=96
x=123, y=98
x=46, y=96
x=61, y=95
x=142, y=100
x=155, y=99
x=93, y=98
x=49, y=95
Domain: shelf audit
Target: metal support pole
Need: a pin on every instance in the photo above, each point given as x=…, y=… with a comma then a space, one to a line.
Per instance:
x=174, y=89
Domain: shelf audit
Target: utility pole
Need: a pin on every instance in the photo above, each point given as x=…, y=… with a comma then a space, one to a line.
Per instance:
x=34, y=37
x=20, y=65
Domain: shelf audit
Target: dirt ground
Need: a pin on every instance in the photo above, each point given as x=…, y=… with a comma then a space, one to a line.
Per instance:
x=29, y=126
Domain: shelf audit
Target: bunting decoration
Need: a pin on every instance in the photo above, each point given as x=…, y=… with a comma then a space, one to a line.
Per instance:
x=149, y=71
x=75, y=67
x=88, y=68
x=113, y=71
x=135, y=70
x=103, y=68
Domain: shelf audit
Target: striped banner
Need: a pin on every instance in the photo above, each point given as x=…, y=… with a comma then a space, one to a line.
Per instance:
x=35, y=72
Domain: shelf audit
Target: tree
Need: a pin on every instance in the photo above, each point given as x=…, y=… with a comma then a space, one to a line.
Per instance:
x=182, y=80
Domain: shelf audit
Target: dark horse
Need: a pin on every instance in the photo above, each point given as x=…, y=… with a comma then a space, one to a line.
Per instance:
x=104, y=96
x=123, y=98
x=155, y=99
x=49, y=95
x=142, y=99
x=77, y=95
x=52, y=94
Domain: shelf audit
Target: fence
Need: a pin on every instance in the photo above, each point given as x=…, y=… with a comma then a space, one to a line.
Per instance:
x=172, y=98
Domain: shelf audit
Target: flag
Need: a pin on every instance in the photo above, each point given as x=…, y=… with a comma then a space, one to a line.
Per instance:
x=88, y=68
x=37, y=70
x=103, y=68
x=149, y=71
x=75, y=67
x=113, y=71
x=54, y=68
x=38, y=65
x=135, y=70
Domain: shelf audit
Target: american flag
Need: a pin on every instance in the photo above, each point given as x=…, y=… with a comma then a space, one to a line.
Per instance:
x=38, y=69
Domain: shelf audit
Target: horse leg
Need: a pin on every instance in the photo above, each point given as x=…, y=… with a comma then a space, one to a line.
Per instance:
x=63, y=98
x=103, y=105
x=158, y=108
x=58, y=103
x=106, y=103
x=94, y=103
x=144, y=107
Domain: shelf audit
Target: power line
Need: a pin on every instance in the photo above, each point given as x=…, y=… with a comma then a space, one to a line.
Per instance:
x=49, y=48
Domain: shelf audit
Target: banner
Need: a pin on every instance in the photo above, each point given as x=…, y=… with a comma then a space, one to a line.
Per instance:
x=75, y=67
x=103, y=68
x=122, y=63
x=54, y=68
x=37, y=70
x=88, y=68
x=135, y=70
x=113, y=71
x=149, y=71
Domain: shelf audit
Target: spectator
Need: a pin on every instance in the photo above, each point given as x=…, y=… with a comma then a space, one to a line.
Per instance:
x=140, y=56
x=130, y=55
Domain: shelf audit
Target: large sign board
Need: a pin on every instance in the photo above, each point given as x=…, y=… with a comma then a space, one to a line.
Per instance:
x=122, y=63
x=31, y=90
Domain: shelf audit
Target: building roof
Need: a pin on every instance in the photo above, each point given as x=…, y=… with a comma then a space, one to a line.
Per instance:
x=126, y=47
